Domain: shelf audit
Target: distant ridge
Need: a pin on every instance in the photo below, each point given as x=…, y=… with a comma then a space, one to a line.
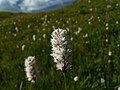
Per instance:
x=57, y=6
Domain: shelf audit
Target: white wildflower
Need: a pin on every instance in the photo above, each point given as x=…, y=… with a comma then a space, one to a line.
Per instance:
x=48, y=21
x=44, y=35
x=45, y=16
x=118, y=45
x=85, y=36
x=91, y=17
x=67, y=29
x=118, y=88
x=89, y=1
x=106, y=40
x=76, y=22
x=109, y=61
x=9, y=32
x=87, y=42
x=71, y=38
x=53, y=27
x=117, y=22
x=14, y=23
x=14, y=34
x=99, y=20
x=79, y=28
x=98, y=17
x=23, y=47
x=61, y=51
x=63, y=25
x=102, y=80
x=117, y=5
x=76, y=78
x=107, y=28
x=106, y=24
x=31, y=69
x=89, y=22
x=34, y=37
x=17, y=46
x=109, y=53
x=43, y=29
x=108, y=6
x=16, y=28
x=39, y=39
x=78, y=31
x=67, y=21
x=91, y=9
x=29, y=25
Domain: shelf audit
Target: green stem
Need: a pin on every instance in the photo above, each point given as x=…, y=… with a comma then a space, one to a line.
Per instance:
x=30, y=86
x=65, y=80
x=35, y=85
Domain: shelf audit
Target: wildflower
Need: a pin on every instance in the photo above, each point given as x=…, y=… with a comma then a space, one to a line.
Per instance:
x=91, y=9
x=106, y=40
x=108, y=6
x=107, y=28
x=34, y=37
x=71, y=38
x=85, y=36
x=61, y=51
x=117, y=22
x=89, y=1
x=117, y=5
x=67, y=21
x=109, y=53
x=14, y=34
x=89, y=22
x=109, y=61
x=14, y=23
x=118, y=45
x=16, y=28
x=102, y=80
x=76, y=78
x=118, y=88
x=23, y=47
x=29, y=25
x=31, y=69
x=79, y=28
x=77, y=32
x=17, y=46
x=53, y=27
x=106, y=24
x=44, y=35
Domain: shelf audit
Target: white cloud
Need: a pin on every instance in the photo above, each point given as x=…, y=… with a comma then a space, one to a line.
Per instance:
x=28, y=5
x=12, y=1
x=6, y=5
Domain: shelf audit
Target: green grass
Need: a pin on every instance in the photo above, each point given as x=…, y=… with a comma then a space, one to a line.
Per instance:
x=89, y=56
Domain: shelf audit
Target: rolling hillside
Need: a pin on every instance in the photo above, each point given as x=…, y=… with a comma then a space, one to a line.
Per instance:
x=94, y=33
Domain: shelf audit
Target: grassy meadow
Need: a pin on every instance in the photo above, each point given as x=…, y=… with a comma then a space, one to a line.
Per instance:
x=94, y=33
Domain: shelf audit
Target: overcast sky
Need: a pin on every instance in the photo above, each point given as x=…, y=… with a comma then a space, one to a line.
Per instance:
x=28, y=5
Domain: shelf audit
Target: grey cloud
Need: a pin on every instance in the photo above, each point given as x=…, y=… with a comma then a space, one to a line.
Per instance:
x=5, y=5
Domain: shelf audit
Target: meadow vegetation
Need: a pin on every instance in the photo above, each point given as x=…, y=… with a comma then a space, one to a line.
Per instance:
x=94, y=30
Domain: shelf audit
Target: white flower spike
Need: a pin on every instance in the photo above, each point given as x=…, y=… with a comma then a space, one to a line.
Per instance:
x=61, y=51
x=31, y=69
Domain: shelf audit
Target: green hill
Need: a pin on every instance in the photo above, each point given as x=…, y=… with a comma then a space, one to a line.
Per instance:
x=94, y=31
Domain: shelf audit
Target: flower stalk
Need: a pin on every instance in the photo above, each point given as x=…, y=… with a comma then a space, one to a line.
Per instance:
x=61, y=51
x=31, y=69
